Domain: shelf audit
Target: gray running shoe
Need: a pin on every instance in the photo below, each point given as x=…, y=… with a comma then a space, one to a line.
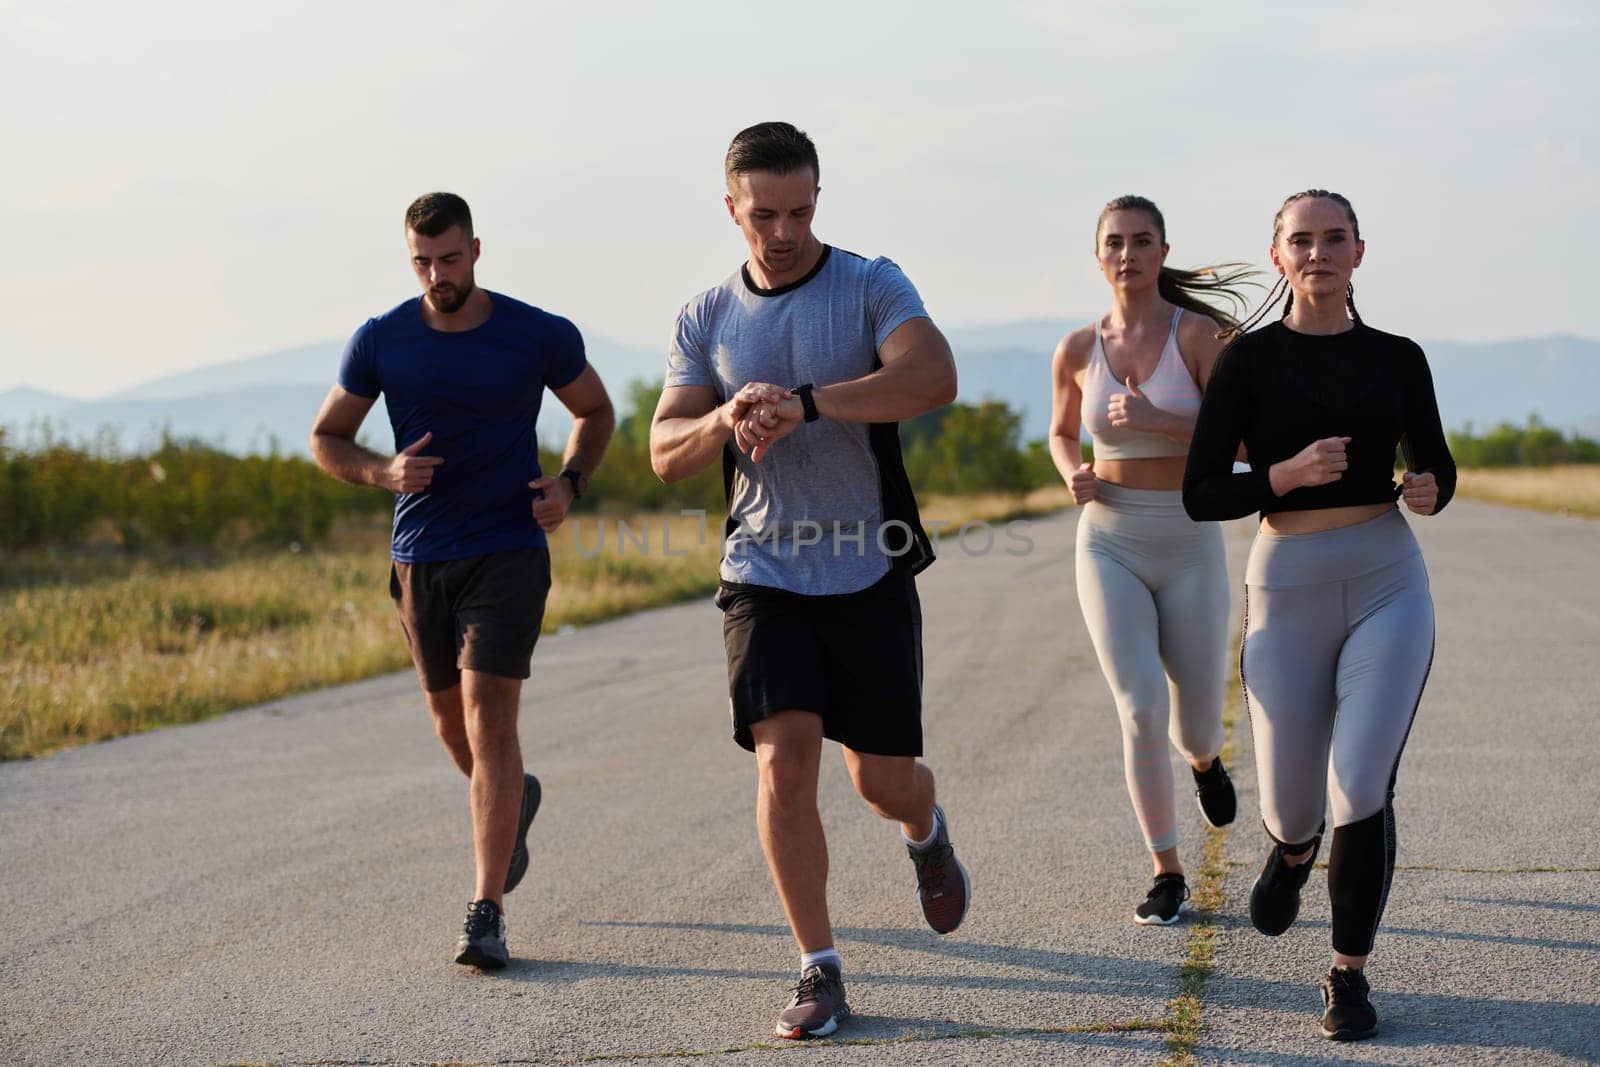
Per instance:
x=483, y=938
x=531, y=795
x=817, y=1007
x=943, y=887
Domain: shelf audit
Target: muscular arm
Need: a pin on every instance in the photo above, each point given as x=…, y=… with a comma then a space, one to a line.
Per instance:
x=690, y=429
x=593, y=420
x=917, y=376
x=333, y=446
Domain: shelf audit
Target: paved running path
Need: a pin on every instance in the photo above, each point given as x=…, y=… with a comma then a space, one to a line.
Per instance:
x=284, y=885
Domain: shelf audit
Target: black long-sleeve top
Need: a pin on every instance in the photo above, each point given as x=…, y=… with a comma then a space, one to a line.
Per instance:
x=1277, y=391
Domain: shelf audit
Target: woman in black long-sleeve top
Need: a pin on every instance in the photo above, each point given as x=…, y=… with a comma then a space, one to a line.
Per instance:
x=1339, y=622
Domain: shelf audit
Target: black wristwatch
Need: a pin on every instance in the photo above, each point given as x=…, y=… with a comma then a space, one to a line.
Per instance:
x=578, y=480
x=808, y=404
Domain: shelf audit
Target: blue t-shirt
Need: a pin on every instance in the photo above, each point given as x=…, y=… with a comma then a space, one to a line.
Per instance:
x=478, y=392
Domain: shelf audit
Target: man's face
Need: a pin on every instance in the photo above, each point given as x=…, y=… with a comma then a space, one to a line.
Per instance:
x=443, y=265
x=774, y=211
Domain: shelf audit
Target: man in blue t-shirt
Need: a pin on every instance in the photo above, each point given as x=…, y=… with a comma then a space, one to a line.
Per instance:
x=463, y=372
x=805, y=359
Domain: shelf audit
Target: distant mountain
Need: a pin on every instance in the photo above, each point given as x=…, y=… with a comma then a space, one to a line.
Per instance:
x=1481, y=384
x=256, y=418
x=20, y=405
x=315, y=364
x=244, y=405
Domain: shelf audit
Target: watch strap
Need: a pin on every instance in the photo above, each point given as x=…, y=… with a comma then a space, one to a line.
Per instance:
x=577, y=480
x=808, y=403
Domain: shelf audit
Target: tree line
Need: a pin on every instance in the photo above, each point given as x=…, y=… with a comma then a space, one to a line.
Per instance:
x=188, y=494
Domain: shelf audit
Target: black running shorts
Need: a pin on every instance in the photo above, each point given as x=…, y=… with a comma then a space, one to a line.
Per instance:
x=854, y=659
x=476, y=614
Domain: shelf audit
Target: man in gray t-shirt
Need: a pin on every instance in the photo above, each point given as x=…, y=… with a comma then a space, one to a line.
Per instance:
x=794, y=373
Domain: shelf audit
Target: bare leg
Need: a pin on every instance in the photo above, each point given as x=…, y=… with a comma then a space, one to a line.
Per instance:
x=449, y=722
x=788, y=757
x=897, y=787
x=1166, y=861
x=496, y=792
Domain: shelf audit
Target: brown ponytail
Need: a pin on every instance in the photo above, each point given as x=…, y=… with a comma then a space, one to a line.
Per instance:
x=1184, y=287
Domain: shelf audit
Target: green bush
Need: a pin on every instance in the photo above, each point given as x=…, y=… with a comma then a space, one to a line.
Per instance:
x=1533, y=445
x=186, y=494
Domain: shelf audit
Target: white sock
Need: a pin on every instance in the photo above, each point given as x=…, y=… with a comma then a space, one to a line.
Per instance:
x=919, y=845
x=829, y=956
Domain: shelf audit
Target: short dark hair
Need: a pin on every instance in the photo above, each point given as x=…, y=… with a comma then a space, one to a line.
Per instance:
x=776, y=147
x=433, y=213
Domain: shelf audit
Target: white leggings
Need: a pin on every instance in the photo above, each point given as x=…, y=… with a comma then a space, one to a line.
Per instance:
x=1153, y=586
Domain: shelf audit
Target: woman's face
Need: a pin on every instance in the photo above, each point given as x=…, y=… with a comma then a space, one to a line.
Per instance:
x=1316, y=248
x=1129, y=250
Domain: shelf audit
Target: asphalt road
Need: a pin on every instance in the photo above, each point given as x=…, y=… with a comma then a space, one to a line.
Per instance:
x=285, y=884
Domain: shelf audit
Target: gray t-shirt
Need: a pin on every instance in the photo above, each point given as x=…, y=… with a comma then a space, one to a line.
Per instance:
x=819, y=514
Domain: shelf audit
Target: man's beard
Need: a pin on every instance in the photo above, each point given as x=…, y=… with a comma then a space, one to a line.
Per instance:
x=453, y=303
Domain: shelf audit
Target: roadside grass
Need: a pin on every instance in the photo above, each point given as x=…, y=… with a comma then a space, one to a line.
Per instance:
x=1571, y=489
x=96, y=647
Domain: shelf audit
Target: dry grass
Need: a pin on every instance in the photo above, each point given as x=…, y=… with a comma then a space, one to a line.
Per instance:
x=1565, y=490
x=143, y=644
x=994, y=507
x=97, y=648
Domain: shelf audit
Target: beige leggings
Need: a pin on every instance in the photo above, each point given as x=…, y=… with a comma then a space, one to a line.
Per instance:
x=1153, y=586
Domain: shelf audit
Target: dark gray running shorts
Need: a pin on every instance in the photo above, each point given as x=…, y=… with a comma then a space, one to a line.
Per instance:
x=476, y=614
x=855, y=659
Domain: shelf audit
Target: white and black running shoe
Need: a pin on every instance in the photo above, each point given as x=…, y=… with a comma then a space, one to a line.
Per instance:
x=1165, y=903
x=483, y=937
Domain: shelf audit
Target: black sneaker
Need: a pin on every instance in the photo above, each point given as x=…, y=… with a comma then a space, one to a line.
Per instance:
x=817, y=1007
x=1214, y=790
x=1275, y=900
x=483, y=941
x=1348, y=1015
x=942, y=883
x=519, y=855
x=1165, y=903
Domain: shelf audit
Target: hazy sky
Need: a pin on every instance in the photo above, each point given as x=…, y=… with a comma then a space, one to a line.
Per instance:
x=192, y=182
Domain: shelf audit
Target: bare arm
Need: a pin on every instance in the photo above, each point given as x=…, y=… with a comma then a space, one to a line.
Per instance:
x=917, y=376
x=1066, y=403
x=689, y=430
x=592, y=423
x=333, y=446
x=1066, y=415
x=593, y=420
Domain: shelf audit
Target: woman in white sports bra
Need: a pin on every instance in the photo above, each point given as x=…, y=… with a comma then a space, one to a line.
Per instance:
x=1152, y=584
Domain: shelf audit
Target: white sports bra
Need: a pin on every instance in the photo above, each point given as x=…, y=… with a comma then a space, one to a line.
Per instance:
x=1170, y=388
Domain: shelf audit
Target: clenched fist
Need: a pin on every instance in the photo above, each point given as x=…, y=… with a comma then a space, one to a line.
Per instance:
x=1318, y=463
x=1420, y=492
x=1084, y=485
x=409, y=472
